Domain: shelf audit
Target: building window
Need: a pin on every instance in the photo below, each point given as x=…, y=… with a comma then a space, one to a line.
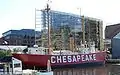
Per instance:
x=17, y=65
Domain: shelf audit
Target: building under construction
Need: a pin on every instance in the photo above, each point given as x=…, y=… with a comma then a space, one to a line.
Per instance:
x=66, y=30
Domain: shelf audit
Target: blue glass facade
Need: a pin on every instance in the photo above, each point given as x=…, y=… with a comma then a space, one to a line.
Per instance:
x=23, y=32
x=58, y=19
x=25, y=37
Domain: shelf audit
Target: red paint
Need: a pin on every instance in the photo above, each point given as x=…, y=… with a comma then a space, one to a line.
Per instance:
x=41, y=60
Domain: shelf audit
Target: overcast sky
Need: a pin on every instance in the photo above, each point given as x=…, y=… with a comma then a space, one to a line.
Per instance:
x=19, y=14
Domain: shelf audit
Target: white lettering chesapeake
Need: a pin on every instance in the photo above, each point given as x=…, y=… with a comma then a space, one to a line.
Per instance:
x=94, y=56
x=90, y=57
x=82, y=56
x=59, y=60
x=86, y=58
x=53, y=59
x=69, y=58
x=64, y=59
x=74, y=59
x=78, y=57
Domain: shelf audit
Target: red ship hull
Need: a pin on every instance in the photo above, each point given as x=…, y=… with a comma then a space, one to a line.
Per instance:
x=61, y=60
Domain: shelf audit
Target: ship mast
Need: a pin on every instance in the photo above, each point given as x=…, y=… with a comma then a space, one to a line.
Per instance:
x=49, y=44
x=83, y=30
x=83, y=26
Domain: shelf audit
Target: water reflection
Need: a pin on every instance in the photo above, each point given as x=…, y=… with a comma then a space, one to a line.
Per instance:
x=101, y=70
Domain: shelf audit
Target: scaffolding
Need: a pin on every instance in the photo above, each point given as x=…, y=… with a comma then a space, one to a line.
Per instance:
x=38, y=26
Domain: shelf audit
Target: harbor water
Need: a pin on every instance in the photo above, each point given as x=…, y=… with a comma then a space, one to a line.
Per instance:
x=108, y=69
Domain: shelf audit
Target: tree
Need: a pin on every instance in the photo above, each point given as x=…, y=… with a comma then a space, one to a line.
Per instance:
x=5, y=53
